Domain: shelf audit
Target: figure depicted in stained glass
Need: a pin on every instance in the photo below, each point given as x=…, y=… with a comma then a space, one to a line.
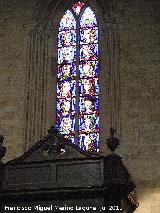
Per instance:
x=68, y=21
x=78, y=56
x=66, y=125
x=88, y=18
x=89, y=124
x=66, y=70
x=67, y=38
x=88, y=69
x=87, y=86
x=65, y=89
x=89, y=35
x=89, y=106
x=65, y=108
x=66, y=54
x=87, y=142
x=89, y=52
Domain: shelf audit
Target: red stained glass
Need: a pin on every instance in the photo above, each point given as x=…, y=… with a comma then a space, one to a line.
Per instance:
x=77, y=7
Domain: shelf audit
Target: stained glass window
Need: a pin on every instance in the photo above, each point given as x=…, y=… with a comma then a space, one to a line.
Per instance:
x=77, y=7
x=78, y=77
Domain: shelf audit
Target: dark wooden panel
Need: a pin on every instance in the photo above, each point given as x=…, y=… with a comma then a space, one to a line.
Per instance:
x=56, y=174
x=81, y=174
x=19, y=176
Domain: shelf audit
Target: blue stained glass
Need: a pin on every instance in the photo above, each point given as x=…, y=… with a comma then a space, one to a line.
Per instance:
x=88, y=77
x=66, y=89
x=68, y=21
x=88, y=18
x=89, y=105
x=89, y=142
x=66, y=54
x=67, y=38
x=66, y=71
x=88, y=35
x=66, y=76
x=72, y=139
x=89, y=87
x=89, y=123
x=66, y=125
x=88, y=69
x=89, y=52
x=65, y=107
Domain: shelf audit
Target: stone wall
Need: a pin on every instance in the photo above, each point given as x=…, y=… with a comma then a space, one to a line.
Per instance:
x=137, y=61
x=139, y=29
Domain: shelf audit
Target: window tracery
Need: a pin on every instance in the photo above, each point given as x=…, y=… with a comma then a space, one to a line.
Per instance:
x=78, y=77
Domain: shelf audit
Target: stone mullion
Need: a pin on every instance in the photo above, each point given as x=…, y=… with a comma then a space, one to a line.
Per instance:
x=77, y=82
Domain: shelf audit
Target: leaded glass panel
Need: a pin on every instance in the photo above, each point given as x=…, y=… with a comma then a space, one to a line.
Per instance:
x=66, y=71
x=88, y=18
x=78, y=58
x=89, y=82
x=77, y=7
x=67, y=22
x=67, y=38
x=89, y=52
x=89, y=35
x=89, y=69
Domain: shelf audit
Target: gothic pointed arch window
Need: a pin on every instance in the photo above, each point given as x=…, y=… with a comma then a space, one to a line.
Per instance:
x=78, y=77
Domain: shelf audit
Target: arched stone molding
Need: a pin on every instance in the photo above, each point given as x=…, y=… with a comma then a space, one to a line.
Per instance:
x=42, y=65
x=36, y=86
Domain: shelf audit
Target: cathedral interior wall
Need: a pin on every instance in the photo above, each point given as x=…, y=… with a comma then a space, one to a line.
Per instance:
x=138, y=57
